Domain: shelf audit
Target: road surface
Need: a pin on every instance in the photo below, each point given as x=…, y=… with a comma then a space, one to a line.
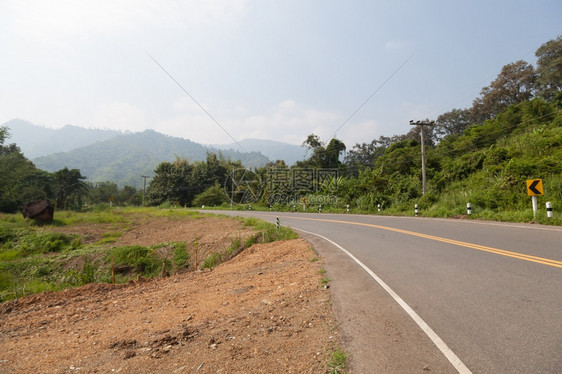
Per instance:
x=491, y=293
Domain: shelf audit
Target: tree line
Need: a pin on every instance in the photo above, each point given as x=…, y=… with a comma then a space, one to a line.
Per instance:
x=23, y=182
x=482, y=153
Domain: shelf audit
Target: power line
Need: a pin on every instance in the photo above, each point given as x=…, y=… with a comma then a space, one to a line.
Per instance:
x=195, y=101
x=370, y=97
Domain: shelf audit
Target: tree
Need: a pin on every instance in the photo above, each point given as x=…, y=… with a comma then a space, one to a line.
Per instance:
x=129, y=195
x=4, y=133
x=322, y=157
x=214, y=195
x=70, y=188
x=361, y=156
x=549, y=68
x=172, y=183
x=102, y=192
x=312, y=142
x=332, y=154
x=514, y=84
x=453, y=122
x=20, y=180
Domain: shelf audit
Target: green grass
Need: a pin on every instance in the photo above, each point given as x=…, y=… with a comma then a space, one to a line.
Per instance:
x=34, y=258
x=211, y=261
x=338, y=362
x=270, y=231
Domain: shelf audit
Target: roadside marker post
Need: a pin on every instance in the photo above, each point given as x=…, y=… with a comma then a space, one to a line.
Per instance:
x=277, y=223
x=549, y=209
x=416, y=209
x=535, y=205
x=347, y=209
x=468, y=209
x=535, y=188
x=379, y=207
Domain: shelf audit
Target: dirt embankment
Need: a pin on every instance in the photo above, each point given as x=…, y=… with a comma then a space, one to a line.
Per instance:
x=265, y=311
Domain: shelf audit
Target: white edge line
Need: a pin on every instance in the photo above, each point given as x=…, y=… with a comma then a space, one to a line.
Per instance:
x=449, y=354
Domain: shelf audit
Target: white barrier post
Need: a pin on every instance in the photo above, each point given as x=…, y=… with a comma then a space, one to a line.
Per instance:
x=535, y=205
x=277, y=223
x=416, y=209
x=379, y=207
x=347, y=209
x=468, y=209
x=549, y=209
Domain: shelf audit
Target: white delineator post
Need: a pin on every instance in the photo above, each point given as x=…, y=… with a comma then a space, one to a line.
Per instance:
x=416, y=209
x=468, y=209
x=549, y=209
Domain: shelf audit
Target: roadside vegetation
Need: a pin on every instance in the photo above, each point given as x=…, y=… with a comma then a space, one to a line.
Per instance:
x=36, y=257
x=482, y=155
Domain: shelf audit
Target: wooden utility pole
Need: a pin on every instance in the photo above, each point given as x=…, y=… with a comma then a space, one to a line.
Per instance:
x=421, y=125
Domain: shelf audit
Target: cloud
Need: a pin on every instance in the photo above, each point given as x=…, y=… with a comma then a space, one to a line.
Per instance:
x=287, y=121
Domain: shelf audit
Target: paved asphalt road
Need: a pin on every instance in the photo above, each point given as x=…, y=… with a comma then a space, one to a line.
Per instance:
x=492, y=292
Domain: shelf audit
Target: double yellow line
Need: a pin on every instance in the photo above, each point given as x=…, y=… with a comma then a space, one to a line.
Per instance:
x=521, y=256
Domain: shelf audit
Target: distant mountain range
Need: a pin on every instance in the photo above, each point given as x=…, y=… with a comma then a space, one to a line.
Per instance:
x=109, y=155
x=36, y=141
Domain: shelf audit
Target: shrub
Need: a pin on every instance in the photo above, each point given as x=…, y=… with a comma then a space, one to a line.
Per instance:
x=142, y=259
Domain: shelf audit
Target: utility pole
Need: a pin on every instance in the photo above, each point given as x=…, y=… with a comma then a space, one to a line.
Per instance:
x=144, y=188
x=421, y=125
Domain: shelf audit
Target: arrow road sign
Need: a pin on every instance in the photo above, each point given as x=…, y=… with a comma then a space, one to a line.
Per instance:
x=535, y=187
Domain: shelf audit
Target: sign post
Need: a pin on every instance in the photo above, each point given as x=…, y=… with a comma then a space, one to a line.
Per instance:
x=534, y=189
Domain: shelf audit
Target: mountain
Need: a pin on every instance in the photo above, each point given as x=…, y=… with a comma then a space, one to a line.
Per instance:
x=272, y=149
x=124, y=158
x=36, y=141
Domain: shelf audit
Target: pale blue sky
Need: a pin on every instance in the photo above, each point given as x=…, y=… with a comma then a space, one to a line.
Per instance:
x=264, y=69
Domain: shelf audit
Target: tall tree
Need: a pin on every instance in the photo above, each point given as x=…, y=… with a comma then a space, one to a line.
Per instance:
x=70, y=188
x=20, y=180
x=514, y=84
x=453, y=122
x=322, y=156
x=549, y=68
x=172, y=182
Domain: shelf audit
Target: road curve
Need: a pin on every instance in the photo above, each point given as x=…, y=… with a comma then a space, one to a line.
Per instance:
x=492, y=292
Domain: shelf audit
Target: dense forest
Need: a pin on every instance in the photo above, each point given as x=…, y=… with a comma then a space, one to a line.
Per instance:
x=480, y=155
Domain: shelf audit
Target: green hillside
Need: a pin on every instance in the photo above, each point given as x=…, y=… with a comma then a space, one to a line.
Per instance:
x=123, y=159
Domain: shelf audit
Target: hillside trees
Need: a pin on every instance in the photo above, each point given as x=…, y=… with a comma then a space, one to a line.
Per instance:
x=323, y=156
x=180, y=181
x=21, y=181
x=514, y=84
x=549, y=68
x=453, y=122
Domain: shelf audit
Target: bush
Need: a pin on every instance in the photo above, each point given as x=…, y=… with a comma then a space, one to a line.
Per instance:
x=141, y=259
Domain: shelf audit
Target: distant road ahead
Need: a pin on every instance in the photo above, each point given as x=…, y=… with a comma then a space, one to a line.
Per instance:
x=491, y=291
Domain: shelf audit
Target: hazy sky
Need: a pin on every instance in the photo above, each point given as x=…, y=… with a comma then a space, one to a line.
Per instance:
x=263, y=69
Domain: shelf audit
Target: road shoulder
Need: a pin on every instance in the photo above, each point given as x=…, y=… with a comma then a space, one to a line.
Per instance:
x=376, y=332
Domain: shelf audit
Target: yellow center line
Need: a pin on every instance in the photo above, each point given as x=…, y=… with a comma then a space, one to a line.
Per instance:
x=521, y=256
